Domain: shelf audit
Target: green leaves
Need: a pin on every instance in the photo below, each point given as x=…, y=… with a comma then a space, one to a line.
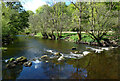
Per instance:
x=14, y=18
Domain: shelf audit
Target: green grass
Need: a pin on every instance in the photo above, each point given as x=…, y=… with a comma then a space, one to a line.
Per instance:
x=86, y=38
x=64, y=35
x=3, y=48
x=38, y=35
x=74, y=37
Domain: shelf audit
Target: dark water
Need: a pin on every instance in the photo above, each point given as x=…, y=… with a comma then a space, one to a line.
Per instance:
x=92, y=66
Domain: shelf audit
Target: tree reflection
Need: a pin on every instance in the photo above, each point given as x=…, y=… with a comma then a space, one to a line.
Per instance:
x=80, y=67
x=57, y=70
x=71, y=69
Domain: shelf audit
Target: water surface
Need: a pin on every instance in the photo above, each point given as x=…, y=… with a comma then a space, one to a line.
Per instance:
x=92, y=66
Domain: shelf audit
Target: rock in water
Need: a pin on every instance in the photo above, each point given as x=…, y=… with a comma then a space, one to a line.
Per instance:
x=46, y=61
x=74, y=48
x=34, y=59
x=86, y=52
x=11, y=60
x=76, y=52
x=105, y=48
x=61, y=58
x=15, y=62
x=10, y=65
x=58, y=54
x=27, y=64
x=21, y=59
x=44, y=57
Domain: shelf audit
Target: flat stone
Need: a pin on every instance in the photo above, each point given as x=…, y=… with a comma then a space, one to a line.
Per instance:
x=27, y=64
x=44, y=57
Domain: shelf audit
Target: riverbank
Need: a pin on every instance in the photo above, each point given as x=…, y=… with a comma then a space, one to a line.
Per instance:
x=3, y=48
x=86, y=39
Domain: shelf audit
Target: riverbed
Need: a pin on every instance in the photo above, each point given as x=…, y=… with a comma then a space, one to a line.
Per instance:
x=92, y=66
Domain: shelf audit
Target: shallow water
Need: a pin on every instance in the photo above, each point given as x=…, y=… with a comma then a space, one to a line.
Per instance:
x=91, y=66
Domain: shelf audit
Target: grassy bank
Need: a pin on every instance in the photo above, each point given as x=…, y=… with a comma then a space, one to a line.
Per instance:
x=3, y=48
x=73, y=37
x=38, y=35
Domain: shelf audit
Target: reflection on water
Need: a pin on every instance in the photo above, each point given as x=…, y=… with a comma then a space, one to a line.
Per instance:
x=12, y=73
x=79, y=74
x=92, y=66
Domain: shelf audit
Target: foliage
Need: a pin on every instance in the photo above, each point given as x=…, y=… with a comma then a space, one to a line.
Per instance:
x=96, y=19
x=14, y=18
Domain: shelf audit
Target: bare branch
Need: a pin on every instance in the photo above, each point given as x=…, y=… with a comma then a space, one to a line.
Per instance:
x=76, y=6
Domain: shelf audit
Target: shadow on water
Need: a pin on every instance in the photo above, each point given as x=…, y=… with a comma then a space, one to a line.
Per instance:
x=11, y=73
x=92, y=66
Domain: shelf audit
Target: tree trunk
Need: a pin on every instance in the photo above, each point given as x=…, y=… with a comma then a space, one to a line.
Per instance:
x=52, y=36
x=80, y=10
x=98, y=39
x=61, y=32
x=99, y=43
x=35, y=32
x=45, y=36
x=79, y=36
x=58, y=35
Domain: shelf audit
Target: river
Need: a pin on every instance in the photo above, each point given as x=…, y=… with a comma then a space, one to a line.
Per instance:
x=91, y=66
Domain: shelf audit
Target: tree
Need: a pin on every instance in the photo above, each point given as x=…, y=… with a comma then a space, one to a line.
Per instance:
x=61, y=19
x=14, y=19
x=30, y=12
x=100, y=22
x=33, y=22
x=80, y=16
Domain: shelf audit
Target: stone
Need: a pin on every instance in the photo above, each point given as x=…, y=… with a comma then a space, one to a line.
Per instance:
x=11, y=65
x=76, y=52
x=20, y=63
x=61, y=58
x=34, y=59
x=57, y=54
x=21, y=59
x=27, y=64
x=46, y=61
x=15, y=62
x=74, y=48
x=44, y=57
x=11, y=60
x=39, y=59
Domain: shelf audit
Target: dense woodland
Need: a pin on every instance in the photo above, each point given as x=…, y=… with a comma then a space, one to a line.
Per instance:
x=93, y=18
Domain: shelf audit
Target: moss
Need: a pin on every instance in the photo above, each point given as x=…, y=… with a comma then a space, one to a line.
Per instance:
x=12, y=59
x=21, y=59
